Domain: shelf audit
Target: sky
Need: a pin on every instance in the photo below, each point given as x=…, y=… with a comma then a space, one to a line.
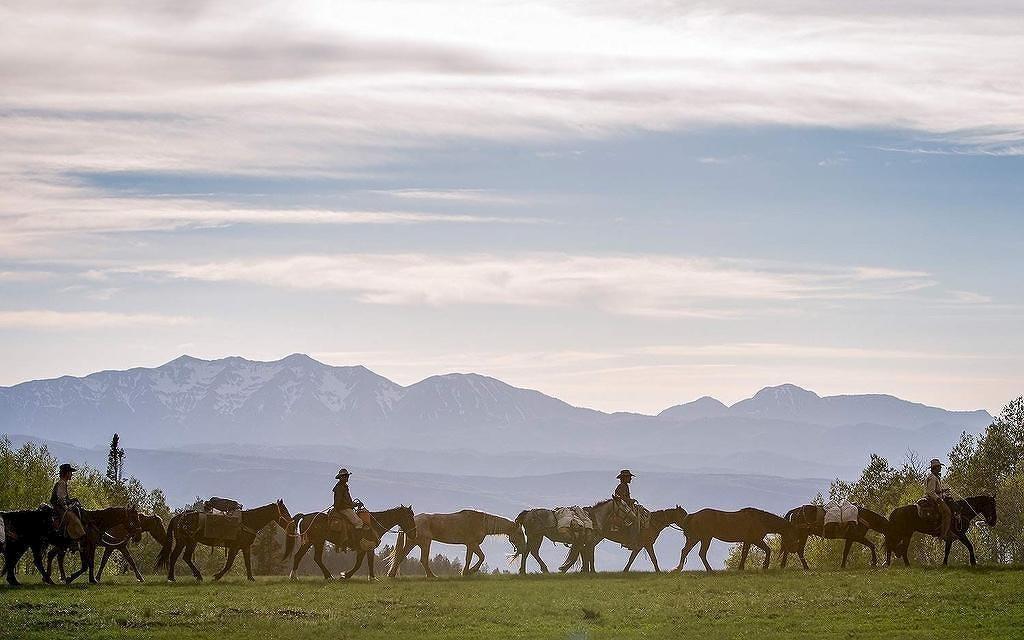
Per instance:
x=627, y=205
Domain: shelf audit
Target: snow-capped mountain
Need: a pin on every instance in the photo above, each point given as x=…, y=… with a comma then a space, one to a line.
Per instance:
x=299, y=401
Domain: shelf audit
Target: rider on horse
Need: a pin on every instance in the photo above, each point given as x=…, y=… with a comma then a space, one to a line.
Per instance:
x=937, y=492
x=622, y=496
x=65, y=507
x=344, y=505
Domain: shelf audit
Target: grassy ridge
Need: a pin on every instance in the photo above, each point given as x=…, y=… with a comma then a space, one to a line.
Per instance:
x=856, y=604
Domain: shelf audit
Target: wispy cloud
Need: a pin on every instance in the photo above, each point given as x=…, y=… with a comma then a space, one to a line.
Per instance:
x=46, y=319
x=625, y=284
x=481, y=196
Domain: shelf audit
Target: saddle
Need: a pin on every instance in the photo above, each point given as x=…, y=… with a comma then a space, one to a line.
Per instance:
x=574, y=523
x=221, y=519
x=927, y=511
x=66, y=523
x=367, y=539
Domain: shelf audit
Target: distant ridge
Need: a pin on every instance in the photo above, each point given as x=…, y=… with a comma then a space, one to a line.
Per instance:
x=299, y=401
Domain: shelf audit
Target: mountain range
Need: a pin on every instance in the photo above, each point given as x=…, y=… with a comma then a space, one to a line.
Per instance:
x=298, y=401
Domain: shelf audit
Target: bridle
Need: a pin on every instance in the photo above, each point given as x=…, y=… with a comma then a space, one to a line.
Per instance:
x=282, y=520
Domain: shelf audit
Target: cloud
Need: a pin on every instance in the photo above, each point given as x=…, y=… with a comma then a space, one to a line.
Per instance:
x=646, y=285
x=46, y=319
x=452, y=195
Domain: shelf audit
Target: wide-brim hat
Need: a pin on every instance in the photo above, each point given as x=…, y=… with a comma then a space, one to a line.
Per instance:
x=66, y=468
x=625, y=473
x=935, y=463
x=343, y=473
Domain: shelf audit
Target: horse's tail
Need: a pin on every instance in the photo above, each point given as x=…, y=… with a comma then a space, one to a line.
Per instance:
x=521, y=518
x=789, y=514
x=569, y=561
x=875, y=521
x=396, y=552
x=165, y=550
x=290, y=533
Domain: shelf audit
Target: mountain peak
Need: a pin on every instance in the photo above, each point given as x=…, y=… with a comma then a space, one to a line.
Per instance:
x=299, y=359
x=703, y=407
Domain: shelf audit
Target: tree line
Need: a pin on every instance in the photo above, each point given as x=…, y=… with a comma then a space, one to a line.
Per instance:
x=989, y=463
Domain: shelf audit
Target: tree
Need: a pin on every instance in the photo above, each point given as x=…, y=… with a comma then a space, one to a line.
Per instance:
x=115, y=461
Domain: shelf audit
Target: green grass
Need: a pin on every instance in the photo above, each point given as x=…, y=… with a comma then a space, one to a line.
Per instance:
x=894, y=603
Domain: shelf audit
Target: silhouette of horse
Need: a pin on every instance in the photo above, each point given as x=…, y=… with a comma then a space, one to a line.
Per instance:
x=316, y=529
x=468, y=527
x=26, y=530
x=644, y=539
x=117, y=538
x=749, y=526
x=184, y=533
x=809, y=519
x=543, y=523
x=905, y=521
x=96, y=523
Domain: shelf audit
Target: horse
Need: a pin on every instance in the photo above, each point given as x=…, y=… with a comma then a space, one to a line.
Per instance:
x=543, y=523
x=116, y=538
x=905, y=521
x=809, y=519
x=26, y=530
x=315, y=529
x=96, y=522
x=183, y=534
x=748, y=526
x=642, y=540
x=468, y=527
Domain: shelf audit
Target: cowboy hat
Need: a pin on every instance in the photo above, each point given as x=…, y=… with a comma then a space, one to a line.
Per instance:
x=935, y=463
x=625, y=473
x=342, y=474
x=66, y=468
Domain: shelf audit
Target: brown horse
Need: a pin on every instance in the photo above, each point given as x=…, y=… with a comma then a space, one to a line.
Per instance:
x=117, y=538
x=748, y=526
x=543, y=523
x=314, y=530
x=468, y=527
x=809, y=519
x=642, y=540
x=184, y=534
x=97, y=523
x=905, y=521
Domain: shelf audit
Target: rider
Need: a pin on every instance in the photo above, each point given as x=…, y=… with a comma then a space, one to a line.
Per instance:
x=936, y=490
x=64, y=506
x=622, y=491
x=343, y=502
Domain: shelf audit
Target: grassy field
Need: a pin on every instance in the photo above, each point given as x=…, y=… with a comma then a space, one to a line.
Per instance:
x=859, y=604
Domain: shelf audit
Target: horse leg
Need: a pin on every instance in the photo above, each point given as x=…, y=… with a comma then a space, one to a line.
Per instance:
x=345, y=575
x=743, y=555
x=318, y=558
x=50, y=555
x=190, y=549
x=299, y=553
x=632, y=557
x=480, y=554
x=425, y=557
x=685, y=552
x=12, y=553
x=103, y=561
x=767, y=552
x=846, y=551
x=970, y=547
x=173, y=560
x=230, y=560
x=129, y=559
x=535, y=552
x=247, y=558
x=369, y=561
x=871, y=545
x=653, y=557
x=704, y=545
x=37, y=560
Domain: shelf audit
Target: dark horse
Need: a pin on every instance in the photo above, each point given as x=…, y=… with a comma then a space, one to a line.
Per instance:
x=809, y=520
x=96, y=523
x=183, y=534
x=26, y=530
x=905, y=521
x=117, y=538
x=748, y=526
x=315, y=529
x=642, y=540
x=542, y=523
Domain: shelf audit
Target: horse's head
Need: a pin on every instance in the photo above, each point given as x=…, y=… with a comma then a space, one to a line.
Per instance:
x=154, y=526
x=284, y=518
x=407, y=521
x=988, y=509
x=678, y=516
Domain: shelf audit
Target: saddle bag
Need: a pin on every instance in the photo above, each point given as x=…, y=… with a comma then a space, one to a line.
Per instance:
x=222, y=504
x=221, y=526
